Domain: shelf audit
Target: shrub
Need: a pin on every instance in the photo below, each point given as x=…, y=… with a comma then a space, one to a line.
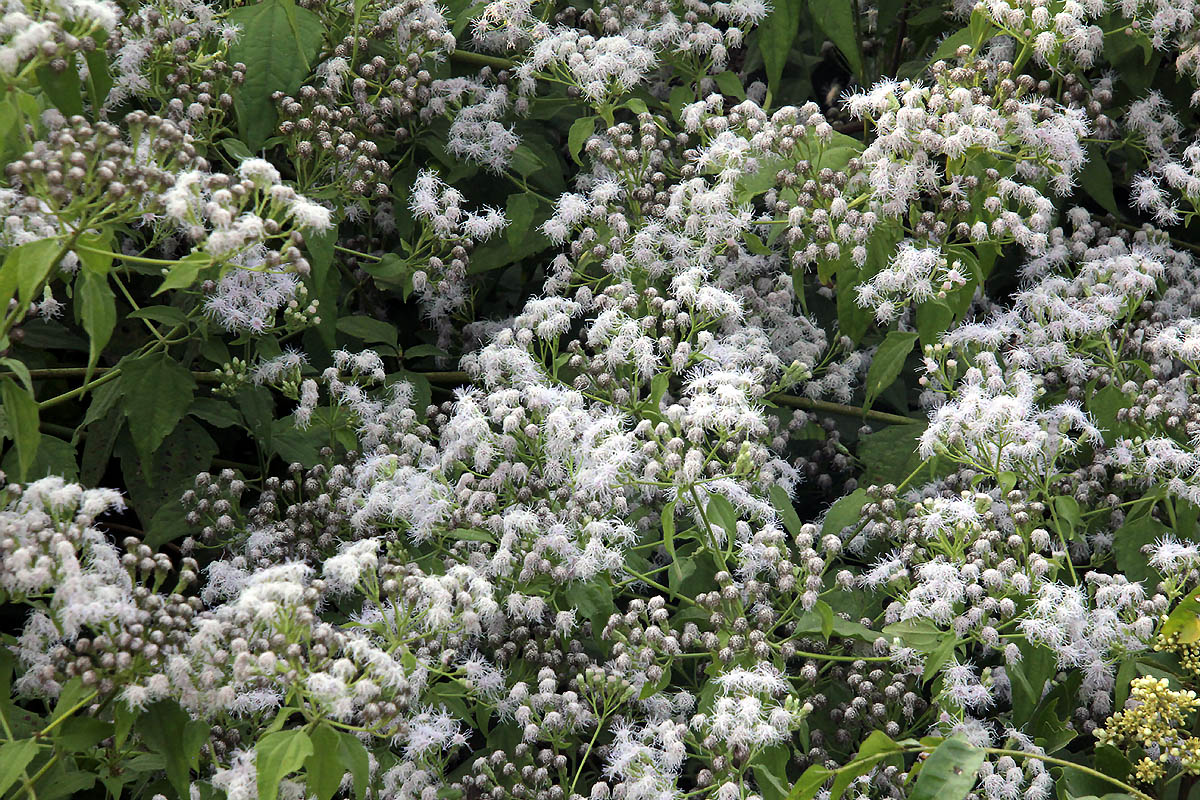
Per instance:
x=627, y=401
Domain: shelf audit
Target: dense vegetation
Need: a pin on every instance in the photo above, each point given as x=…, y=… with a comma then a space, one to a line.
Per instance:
x=614, y=400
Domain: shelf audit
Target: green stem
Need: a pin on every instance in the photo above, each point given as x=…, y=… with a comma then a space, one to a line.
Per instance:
x=809, y=404
x=467, y=57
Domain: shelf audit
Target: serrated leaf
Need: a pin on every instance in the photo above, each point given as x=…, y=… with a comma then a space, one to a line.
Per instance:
x=876, y=748
x=277, y=755
x=163, y=392
x=949, y=772
x=279, y=44
x=888, y=362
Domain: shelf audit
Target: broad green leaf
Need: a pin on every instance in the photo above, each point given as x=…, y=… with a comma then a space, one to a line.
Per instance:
x=22, y=411
x=1068, y=511
x=845, y=512
x=354, y=757
x=279, y=44
x=277, y=755
x=920, y=634
x=934, y=318
x=14, y=758
x=1096, y=181
x=938, y=658
x=62, y=88
x=890, y=454
x=320, y=246
x=98, y=310
x=876, y=748
x=809, y=783
x=721, y=512
x=368, y=329
x=770, y=771
x=825, y=612
x=55, y=456
x=169, y=731
x=775, y=36
x=27, y=266
x=1127, y=547
x=949, y=772
x=836, y=19
x=592, y=599
x=323, y=770
x=167, y=315
x=888, y=362
x=787, y=512
x=520, y=209
x=581, y=130
x=1184, y=619
x=158, y=391
x=730, y=84
x=99, y=79
x=184, y=273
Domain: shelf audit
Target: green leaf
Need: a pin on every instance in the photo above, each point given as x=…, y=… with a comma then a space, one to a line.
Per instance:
x=1184, y=619
x=368, y=329
x=26, y=267
x=22, y=411
x=938, y=658
x=169, y=731
x=277, y=755
x=668, y=529
x=845, y=512
x=99, y=79
x=1068, y=511
x=934, y=317
x=1127, y=547
x=920, y=634
x=876, y=748
x=323, y=770
x=730, y=84
x=353, y=755
x=721, y=512
x=184, y=272
x=593, y=599
x=890, y=455
x=320, y=246
x=82, y=733
x=775, y=36
x=836, y=19
x=581, y=130
x=888, y=362
x=770, y=771
x=167, y=315
x=55, y=456
x=520, y=209
x=1096, y=181
x=160, y=392
x=62, y=88
x=807, y=786
x=98, y=310
x=949, y=772
x=14, y=758
x=825, y=612
x=278, y=45
x=787, y=512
